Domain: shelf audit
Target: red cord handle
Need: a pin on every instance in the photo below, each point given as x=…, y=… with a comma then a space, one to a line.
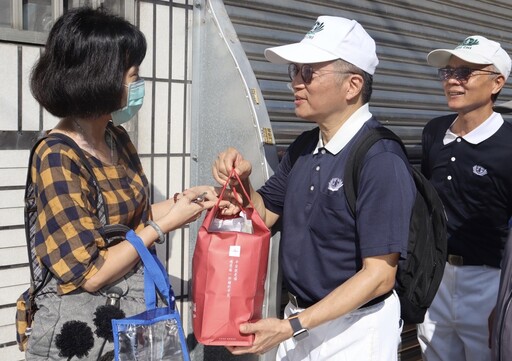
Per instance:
x=234, y=174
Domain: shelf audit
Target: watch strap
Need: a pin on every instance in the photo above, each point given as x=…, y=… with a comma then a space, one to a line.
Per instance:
x=299, y=332
x=295, y=323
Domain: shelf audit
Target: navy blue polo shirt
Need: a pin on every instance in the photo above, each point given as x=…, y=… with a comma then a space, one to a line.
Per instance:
x=473, y=177
x=320, y=248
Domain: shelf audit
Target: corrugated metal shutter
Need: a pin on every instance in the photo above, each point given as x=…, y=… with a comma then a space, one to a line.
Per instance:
x=406, y=92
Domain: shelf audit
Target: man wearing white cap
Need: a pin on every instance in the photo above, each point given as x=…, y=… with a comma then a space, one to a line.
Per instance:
x=467, y=157
x=339, y=269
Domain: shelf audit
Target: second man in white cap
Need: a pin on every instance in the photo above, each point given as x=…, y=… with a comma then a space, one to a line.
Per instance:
x=467, y=157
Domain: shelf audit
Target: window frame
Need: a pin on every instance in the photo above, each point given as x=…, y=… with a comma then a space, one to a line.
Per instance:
x=16, y=34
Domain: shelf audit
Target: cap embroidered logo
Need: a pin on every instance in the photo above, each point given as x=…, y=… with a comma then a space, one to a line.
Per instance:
x=316, y=28
x=469, y=42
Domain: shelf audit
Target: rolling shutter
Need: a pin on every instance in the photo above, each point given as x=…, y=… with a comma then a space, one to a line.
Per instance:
x=406, y=92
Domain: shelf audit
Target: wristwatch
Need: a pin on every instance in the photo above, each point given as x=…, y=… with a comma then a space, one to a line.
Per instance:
x=299, y=332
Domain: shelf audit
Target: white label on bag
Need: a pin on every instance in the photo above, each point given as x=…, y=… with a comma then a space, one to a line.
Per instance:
x=234, y=251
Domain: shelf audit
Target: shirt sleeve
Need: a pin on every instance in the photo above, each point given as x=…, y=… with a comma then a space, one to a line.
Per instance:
x=274, y=190
x=67, y=238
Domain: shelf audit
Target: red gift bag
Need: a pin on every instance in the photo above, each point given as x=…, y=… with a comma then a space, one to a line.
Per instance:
x=228, y=278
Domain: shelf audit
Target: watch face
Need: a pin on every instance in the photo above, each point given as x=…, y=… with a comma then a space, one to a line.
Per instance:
x=300, y=335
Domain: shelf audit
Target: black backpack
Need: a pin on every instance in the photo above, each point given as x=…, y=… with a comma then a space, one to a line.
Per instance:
x=419, y=276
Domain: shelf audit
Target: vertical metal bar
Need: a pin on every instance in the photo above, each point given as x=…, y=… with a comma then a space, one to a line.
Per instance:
x=20, y=87
x=41, y=109
x=168, y=157
x=153, y=86
x=57, y=8
x=129, y=11
x=17, y=14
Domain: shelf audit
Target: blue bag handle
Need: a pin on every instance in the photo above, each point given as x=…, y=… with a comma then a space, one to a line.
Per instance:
x=155, y=274
x=149, y=284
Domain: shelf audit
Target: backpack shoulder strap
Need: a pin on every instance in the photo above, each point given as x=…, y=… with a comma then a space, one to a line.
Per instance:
x=355, y=161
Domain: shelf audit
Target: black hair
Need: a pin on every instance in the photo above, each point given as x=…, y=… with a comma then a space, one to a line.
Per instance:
x=80, y=74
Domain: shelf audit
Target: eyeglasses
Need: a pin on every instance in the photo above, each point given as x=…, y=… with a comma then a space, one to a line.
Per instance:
x=306, y=72
x=461, y=74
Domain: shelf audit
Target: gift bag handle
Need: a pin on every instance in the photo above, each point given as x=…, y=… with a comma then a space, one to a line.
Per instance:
x=234, y=174
x=150, y=284
x=155, y=274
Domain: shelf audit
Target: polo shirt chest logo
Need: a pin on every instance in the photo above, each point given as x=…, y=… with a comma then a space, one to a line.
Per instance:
x=335, y=184
x=479, y=170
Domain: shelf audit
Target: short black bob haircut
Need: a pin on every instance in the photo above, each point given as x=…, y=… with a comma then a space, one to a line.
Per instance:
x=80, y=74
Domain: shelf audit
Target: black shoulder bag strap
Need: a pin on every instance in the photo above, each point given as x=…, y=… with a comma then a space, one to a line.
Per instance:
x=355, y=162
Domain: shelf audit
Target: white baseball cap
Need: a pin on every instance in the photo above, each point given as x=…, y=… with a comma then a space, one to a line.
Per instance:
x=477, y=50
x=330, y=38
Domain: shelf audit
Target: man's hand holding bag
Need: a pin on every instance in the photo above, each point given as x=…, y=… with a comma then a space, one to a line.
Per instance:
x=229, y=268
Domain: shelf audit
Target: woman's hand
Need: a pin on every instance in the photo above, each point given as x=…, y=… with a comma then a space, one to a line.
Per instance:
x=189, y=206
x=228, y=205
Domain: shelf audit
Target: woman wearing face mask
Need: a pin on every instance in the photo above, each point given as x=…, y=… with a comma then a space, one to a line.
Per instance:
x=88, y=76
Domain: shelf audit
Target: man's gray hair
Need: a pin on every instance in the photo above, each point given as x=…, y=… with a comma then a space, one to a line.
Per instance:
x=366, y=91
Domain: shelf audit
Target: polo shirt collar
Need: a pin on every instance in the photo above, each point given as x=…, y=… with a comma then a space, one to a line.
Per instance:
x=346, y=132
x=479, y=134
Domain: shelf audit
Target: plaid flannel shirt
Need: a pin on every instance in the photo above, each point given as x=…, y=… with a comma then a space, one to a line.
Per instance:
x=68, y=238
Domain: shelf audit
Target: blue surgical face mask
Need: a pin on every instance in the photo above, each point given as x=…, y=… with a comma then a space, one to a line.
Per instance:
x=133, y=103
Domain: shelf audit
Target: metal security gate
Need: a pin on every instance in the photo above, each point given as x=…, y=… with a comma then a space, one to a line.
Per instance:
x=406, y=92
